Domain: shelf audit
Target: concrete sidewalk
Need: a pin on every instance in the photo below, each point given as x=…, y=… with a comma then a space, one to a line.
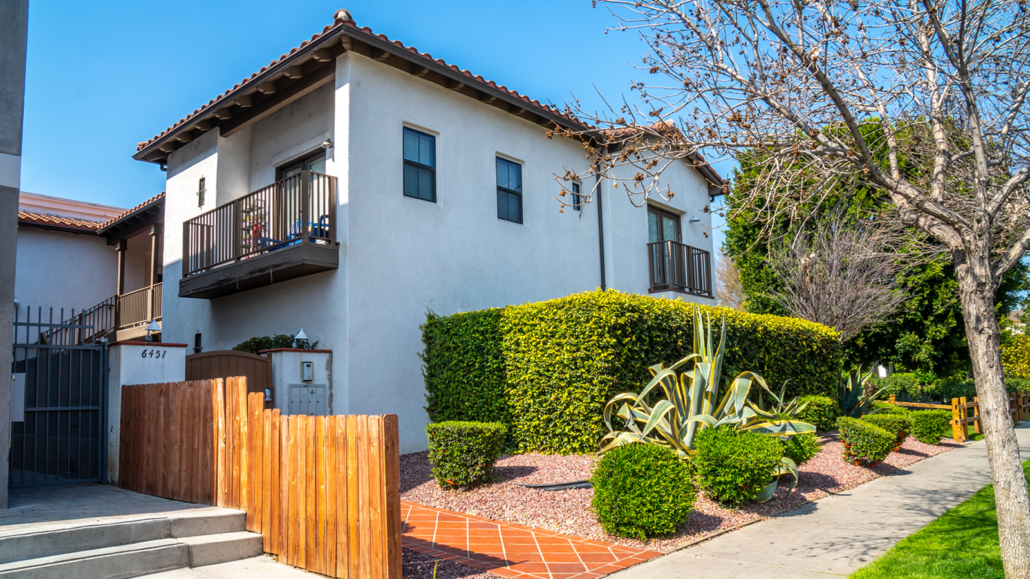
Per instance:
x=838, y=534
x=263, y=567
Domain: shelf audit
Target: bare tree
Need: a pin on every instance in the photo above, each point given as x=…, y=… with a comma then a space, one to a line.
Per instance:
x=827, y=90
x=729, y=292
x=843, y=273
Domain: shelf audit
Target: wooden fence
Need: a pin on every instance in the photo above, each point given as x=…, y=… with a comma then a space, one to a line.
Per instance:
x=324, y=491
x=967, y=413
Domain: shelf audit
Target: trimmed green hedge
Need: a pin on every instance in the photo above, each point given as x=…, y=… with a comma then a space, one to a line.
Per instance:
x=801, y=447
x=641, y=491
x=897, y=424
x=462, y=453
x=930, y=426
x=548, y=368
x=822, y=411
x=733, y=466
x=864, y=442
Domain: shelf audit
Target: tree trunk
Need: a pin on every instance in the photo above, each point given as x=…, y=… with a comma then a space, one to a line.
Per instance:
x=976, y=290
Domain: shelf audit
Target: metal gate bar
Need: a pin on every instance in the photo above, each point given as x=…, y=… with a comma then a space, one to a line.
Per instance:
x=65, y=393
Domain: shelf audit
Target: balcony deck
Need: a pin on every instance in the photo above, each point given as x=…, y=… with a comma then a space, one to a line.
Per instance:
x=284, y=231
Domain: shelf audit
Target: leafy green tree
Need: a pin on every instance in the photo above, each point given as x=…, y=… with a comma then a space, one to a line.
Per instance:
x=925, y=334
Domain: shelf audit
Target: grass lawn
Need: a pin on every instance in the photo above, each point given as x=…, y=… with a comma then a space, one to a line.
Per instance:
x=963, y=542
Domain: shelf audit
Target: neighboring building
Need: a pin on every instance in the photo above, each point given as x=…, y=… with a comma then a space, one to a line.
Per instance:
x=356, y=184
x=97, y=263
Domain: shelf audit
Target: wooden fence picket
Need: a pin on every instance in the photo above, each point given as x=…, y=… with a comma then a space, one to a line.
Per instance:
x=324, y=492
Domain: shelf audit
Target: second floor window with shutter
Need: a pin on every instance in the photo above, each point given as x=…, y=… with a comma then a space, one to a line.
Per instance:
x=201, y=192
x=577, y=200
x=509, y=190
x=419, y=165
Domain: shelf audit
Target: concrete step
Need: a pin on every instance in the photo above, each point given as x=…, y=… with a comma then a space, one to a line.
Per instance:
x=118, y=562
x=222, y=548
x=136, y=559
x=53, y=540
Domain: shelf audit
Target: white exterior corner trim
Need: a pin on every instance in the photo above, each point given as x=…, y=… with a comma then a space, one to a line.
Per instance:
x=10, y=170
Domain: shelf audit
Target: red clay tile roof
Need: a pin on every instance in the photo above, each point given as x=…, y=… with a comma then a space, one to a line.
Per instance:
x=30, y=218
x=354, y=31
x=128, y=212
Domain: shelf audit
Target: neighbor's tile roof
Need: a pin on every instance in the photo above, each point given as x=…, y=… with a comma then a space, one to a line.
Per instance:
x=129, y=212
x=367, y=31
x=58, y=221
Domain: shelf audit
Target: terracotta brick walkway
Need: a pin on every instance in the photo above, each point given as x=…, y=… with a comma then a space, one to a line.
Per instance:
x=511, y=550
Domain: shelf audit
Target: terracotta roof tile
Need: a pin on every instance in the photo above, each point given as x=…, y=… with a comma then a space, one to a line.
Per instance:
x=58, y=221
x=129, y=212
x=350, y=24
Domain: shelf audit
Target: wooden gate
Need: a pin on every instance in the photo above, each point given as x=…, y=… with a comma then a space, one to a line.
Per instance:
x=226, y=363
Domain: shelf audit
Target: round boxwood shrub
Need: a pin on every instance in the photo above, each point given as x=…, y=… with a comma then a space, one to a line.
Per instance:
x=864, y=442
x=734, y=466
x=462, y=453
x=821, y=411
x=884, y=407
x=897, y=424
x=800, y=447
x=641, y=491
x=930, y=426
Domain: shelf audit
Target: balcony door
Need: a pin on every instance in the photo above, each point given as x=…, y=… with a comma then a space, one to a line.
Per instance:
x=663, y=227
x=314, y=163
x=317, y=210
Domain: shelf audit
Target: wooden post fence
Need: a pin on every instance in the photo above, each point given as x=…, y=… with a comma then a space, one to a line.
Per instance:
x=323, y=491
x=965, y=413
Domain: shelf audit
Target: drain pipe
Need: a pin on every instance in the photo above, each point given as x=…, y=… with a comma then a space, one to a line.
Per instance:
x=600, y=229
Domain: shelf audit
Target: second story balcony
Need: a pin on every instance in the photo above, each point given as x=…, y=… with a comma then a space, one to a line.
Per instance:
x=680, y=268
x=283, y=231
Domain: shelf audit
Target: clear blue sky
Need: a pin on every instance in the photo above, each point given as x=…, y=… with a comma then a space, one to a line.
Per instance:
x=102, y=76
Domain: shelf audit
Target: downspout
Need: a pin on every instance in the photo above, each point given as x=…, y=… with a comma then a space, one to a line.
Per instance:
x=600, y=229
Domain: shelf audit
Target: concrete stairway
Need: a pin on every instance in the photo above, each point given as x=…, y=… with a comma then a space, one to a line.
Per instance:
x=116, y=548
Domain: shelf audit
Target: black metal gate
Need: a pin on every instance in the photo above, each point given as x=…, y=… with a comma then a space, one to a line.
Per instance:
x=58, y=400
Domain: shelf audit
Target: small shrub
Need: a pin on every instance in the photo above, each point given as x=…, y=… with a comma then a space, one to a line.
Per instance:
x=903, y=385
x=734, y=466
x=641, y=491
x=864, y=442
x=1015, y=356
x=947, y=388
x=930, y=426
x=897, y=424
x=800, y=447
x=257, y=344
x=822, y=411
x=462, y=453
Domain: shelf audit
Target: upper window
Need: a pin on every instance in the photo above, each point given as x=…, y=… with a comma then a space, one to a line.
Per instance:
x=201, y=192
x=314, y=163
x=419, y=165
x=577, y=201
x=509, y=190
x=662, y=225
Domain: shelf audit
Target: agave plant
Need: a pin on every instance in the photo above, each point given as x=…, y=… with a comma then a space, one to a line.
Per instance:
x=851, y=393
x=689, y=401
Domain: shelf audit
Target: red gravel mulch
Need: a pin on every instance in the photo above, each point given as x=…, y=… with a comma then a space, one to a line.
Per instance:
x=569, y=511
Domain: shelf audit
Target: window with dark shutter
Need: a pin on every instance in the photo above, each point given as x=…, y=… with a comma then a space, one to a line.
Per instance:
x=509, y=190
x=419, y=165
x=577, y=201
x=201, y=192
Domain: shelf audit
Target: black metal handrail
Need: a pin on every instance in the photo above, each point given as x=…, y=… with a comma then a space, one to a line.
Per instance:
x=294, y=210
x=678, y=267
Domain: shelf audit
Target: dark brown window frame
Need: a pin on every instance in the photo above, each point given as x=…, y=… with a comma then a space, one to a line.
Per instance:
x=300, y=162
x=666, y=213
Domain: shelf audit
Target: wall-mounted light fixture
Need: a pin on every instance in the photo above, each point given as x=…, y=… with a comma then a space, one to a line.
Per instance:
x=299, y=336
x=153, y=326
x=327, y=143
x=695, y=219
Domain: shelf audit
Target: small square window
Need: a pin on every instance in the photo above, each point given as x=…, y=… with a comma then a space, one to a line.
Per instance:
x=577, y=200
x=419, y=165
x=509, y=191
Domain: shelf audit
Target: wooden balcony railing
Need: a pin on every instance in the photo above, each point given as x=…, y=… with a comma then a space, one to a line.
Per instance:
x=680, y=268
x=135, y=308
x=139, y=307
x=295, y=210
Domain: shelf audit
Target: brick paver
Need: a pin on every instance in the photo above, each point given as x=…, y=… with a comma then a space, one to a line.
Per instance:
x=510, y=550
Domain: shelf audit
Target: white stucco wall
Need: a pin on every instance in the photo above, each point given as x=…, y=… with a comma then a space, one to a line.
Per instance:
x=63, y=270
x=400, y=257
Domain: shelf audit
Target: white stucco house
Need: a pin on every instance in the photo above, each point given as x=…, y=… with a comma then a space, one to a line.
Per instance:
x=92, y=260
x=356, y=183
